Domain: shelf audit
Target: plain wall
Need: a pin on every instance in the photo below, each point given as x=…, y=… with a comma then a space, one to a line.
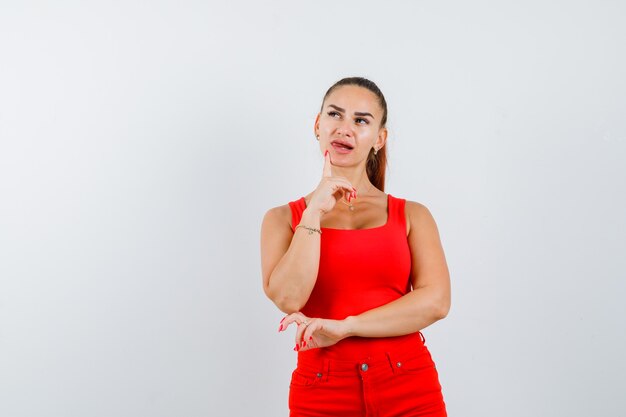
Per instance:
x=141, y=144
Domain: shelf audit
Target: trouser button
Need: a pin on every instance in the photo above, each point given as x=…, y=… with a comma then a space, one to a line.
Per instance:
x=364, y=367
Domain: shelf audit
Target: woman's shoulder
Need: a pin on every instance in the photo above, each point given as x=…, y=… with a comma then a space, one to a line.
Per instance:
x=283, y=215
x=278, y=215
x=413, y=206
x=415, y=213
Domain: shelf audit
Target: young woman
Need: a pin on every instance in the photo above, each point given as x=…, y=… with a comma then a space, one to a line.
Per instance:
x=360, y=273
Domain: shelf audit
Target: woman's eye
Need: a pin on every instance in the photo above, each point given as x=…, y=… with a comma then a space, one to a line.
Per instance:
x=333, y=113
x=361, y=121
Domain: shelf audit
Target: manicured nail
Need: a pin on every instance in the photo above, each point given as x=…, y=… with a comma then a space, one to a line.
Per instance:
x=297, y=347
x=303, y=343
x=311, y=338
x=294, y=348
x=283, y=319
x=280, y=328
x=326, y=153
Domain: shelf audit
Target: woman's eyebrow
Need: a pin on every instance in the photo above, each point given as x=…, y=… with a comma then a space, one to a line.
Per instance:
x=339, y=109
x=356, y=113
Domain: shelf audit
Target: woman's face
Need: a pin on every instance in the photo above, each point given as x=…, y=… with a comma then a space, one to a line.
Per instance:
x=349, y=125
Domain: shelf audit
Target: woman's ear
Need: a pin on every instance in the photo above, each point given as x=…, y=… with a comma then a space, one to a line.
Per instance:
x=381, y=140
x=316, y=126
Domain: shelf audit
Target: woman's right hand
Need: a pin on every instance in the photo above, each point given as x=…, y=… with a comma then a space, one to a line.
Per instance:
x=330, y=190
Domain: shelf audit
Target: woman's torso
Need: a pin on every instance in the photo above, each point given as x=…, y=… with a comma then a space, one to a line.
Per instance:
x=359, y=270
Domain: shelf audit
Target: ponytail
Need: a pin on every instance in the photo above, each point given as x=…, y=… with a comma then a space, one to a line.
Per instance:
x=376, y=167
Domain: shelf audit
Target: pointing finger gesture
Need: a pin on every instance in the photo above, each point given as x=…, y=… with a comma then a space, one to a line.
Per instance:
x=330, y=189
x=327, y=172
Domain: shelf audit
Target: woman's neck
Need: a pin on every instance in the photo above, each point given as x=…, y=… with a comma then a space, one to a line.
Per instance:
x=357, y=177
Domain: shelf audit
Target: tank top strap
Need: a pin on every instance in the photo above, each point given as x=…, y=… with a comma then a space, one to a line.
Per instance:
x=396, y=212
x=297, y=208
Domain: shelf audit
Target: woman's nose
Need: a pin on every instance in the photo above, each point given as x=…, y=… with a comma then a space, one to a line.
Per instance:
x=344, y=128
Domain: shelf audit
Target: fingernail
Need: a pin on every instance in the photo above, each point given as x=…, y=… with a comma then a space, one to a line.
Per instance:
x=294, y=348
x=326, y=153
x=283, y=319
x=311, y=338
x=303, y=343
x=297, y=347
x=280, y=328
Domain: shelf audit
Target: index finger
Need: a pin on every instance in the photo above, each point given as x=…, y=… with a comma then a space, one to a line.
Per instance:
x=327, y=169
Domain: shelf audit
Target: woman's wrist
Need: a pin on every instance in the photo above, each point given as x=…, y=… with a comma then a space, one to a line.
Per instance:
x=350, y=324
x=311, y=218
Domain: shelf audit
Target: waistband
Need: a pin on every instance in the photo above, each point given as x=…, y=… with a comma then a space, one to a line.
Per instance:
x=316, y=361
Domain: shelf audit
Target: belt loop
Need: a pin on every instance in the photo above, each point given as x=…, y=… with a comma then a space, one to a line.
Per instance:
x=325, y=369
x=422, y=336
x=390, y=359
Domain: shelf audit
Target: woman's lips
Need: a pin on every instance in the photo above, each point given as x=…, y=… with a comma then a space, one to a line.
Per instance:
x=340, y=148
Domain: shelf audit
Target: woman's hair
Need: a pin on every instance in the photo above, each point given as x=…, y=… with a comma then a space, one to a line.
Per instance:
x=376, y=164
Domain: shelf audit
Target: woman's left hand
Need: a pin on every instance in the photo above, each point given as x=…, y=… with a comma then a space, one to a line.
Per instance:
x=315, y=333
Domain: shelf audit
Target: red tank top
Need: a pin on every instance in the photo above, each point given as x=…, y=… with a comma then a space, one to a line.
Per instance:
x=360, y=270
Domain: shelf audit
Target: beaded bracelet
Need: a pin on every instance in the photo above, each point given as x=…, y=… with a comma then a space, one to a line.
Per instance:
x=310, y=229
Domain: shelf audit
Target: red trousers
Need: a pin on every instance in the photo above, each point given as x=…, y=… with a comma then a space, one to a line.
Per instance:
x=402, y=382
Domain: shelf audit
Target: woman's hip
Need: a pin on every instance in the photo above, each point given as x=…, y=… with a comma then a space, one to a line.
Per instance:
x=401, y=380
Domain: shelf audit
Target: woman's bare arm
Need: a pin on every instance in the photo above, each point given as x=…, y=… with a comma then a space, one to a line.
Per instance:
x=289, y=261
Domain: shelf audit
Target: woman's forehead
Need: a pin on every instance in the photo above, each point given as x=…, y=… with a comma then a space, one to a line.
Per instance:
x=353, y=98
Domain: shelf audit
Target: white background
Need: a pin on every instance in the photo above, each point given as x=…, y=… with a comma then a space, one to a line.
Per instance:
x=142, y=142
